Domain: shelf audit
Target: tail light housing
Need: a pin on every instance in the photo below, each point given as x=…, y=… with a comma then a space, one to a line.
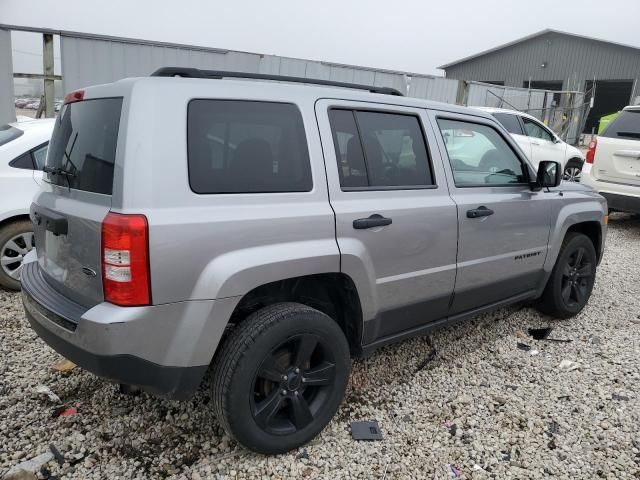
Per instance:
x=76, y=96
x=125, y=260
x=591, y=152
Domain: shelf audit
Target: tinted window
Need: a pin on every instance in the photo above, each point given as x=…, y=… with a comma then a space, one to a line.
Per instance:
x=625, y=125
x=535, y=130
x=351, y=166
x=40, y=156
x=23, y=161
x=479, y=155
x=83, y=144
x=379, y=149
x=8, y=133
x=246, y=147
x=510, y=122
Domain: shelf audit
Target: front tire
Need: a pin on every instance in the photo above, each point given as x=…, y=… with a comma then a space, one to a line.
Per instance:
x=280, y=377
x=572, y=278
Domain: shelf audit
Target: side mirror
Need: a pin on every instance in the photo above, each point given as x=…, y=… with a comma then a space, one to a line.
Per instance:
x=549, y=174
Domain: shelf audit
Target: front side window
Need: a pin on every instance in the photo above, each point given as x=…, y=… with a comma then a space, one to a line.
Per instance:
x=479, y=156
x=535, y=130
x=376, y=149
x=239, y=146
x=509, y=122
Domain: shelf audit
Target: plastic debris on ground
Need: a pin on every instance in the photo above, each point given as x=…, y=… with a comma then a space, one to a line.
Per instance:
x=534, y=352
x=56, y=454
x=63, y=366
x=523, y=346
x=568, y=365
x=454, y=472
x=28, y=468
x=44, y=390
x=543, y=334
x=68, y=412
x=366, y=431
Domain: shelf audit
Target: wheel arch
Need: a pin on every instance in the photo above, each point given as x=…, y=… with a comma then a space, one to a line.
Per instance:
x=593, y=231
x=334, y=294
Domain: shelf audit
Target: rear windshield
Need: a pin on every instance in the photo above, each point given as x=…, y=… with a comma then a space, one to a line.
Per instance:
x=237, y=146
x=625, y=125
x=8, y=133
x=83, y=145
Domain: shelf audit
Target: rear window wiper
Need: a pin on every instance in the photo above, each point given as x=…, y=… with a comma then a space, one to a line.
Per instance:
x=62, y=172
x=58, y=171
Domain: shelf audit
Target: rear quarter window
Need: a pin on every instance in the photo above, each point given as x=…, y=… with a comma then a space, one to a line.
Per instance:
x=237, y=146
x=626, y=125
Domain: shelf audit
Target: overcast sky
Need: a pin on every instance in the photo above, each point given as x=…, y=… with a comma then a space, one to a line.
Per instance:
x=410, y=35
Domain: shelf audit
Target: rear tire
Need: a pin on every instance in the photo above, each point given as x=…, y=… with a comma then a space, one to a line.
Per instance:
x=572, y=278
x=16, y=240
x=280, y=377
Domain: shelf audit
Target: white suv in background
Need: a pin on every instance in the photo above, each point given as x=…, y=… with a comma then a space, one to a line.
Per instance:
x=612, y=165
x=539, y=142
x=23, y=150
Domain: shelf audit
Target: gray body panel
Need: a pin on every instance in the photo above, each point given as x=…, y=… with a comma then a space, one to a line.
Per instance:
x=208, y=251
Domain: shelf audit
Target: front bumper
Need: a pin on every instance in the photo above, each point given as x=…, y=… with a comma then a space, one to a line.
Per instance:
x=164, y=349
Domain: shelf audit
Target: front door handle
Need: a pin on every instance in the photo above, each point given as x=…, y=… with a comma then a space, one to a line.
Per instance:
x=479, y=212
x=375, y=220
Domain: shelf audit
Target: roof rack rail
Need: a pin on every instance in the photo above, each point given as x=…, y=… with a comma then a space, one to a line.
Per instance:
x=218, y=74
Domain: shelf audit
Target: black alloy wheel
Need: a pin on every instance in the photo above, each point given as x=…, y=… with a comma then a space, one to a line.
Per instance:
x=292, y=384
x=280, y=376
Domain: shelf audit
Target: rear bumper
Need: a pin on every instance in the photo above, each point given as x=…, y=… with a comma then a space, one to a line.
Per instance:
x=164, y=349
x=620, y=196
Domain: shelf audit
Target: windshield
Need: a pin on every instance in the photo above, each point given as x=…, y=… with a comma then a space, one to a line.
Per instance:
x=8, y=133
x=83, y=145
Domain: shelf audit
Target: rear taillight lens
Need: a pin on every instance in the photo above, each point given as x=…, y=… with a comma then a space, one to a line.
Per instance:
x=125, y=260
x=591, y=153
x=72, y=97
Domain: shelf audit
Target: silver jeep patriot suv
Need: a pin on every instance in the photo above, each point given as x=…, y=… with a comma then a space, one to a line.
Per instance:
x=273, y=230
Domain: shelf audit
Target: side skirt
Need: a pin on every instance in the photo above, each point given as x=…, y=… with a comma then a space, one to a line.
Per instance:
x=423, y=329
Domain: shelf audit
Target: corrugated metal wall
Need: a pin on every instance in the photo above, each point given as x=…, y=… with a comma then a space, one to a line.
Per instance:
x=91, y=61
x=7, y=109
x=570, y=59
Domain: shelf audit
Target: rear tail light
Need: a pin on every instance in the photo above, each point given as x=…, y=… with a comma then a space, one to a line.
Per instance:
x=76, y=96
x=591, y=153
x=125, y=259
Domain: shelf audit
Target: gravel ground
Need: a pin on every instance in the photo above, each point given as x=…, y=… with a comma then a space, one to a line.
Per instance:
x=465, y=399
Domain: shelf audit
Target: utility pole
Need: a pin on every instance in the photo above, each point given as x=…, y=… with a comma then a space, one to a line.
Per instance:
x=47, y=60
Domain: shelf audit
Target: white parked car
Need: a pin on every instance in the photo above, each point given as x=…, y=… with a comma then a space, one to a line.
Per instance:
x=23, y=150
x=538, y=141
x=612, y=166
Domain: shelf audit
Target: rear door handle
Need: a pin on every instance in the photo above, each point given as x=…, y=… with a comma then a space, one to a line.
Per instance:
x=479, y=212
x=375, y=220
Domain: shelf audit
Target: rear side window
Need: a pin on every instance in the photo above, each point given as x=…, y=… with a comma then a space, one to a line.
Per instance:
x=377, y=149
x=509, y=122
x=83, y=145
x=626, y=125
x=239, y=146
x=8, y=133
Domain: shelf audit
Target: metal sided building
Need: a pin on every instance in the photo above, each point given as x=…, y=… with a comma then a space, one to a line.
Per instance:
x=555, y=60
